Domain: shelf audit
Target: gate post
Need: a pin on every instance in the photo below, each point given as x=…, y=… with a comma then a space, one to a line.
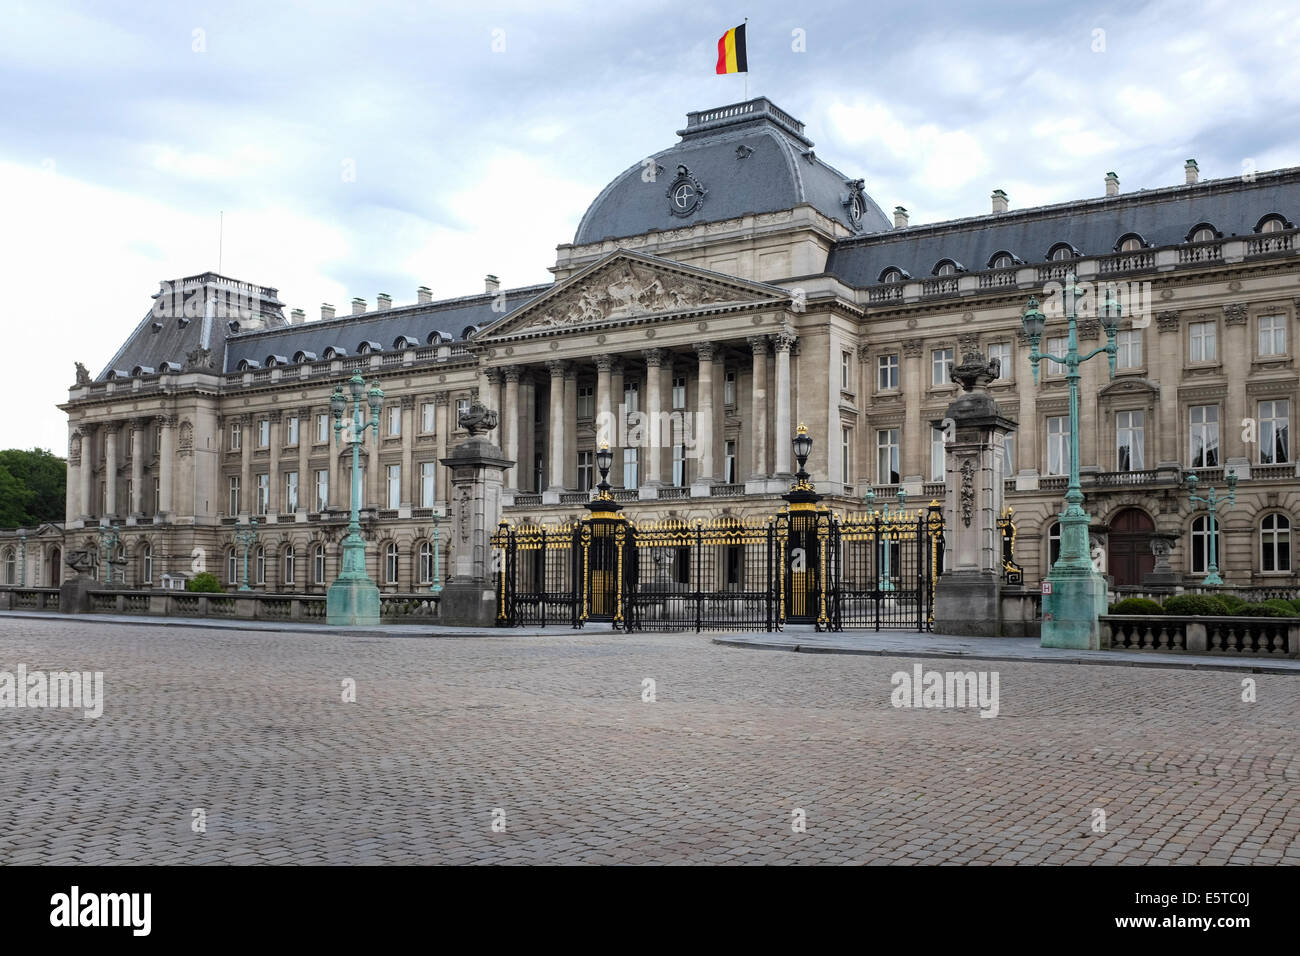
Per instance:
x=604, y=540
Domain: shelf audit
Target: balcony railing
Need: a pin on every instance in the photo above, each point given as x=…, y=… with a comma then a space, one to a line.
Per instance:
x=1126, y=262
x=1271, y=242
x=1201, y=252
x=726, y=491
x=998, y=278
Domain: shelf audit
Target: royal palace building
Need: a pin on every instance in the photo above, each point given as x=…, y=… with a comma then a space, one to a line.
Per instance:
x=715, y=296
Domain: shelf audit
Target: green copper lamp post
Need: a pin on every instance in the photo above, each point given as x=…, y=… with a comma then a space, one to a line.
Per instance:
x=246, y=538
x=436, y=586
x=1211, y=502
x=1075, y=594
x=353, y=599
x=22, y=561
x=108, y=542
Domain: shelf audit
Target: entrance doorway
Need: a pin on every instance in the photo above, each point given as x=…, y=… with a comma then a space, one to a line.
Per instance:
x=1129, y=552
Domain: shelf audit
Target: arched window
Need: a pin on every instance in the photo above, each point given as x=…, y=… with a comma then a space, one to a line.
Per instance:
x=1002, y=260
x=146, y=564
x=390, y=563
x=290, y=562
x=1129, y=243
x=945, y=269
x=11, y=566
x=232, y=567
x=1201, y=545
x=1203, y=233
x=1272, y=223
x=426, y=563
x=318, y=564
x=1053, y=544
x=1275, y=543
x=1062, y=251
x=260, y=565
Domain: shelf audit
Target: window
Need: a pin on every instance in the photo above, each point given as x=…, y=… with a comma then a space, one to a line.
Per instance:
x=630, y=470
x=846, y=368
x=263, y=494
x=291, y=430
x=290, y=564
x=1061, y=252
x=1002, y=352
x=260, y=565
x=236, y=436
x=394, y=421
x=945, y=269
x=1273, y=224
x=1275, y=543
x=887, y=372
x=1009, y=456
x=428, y=417
x=263, y=433
x=1129, y=432
x=322, y=429
x=729, y=389
x=322, y=490
x=290, y=491
x=631, y=397
x=679, y=465
x=1057, y=346
x=729, y=462
x=390, y=563
x=1274, y=432
x=11, y=566
x=157, y=495
x=426, y=562
x=586, y=401
x=936, y=454
x=1272, y=335
x=462, y=406
x=394, y=485
x=1131, y=244
x=1058, y=445
x=157, y=439
x=1204, y=234
x=232, y=567
x=318, y=564
x=941, y=366
x=585, y=468
x=1053, y=544
x=846, y=454
x=679, y=393
x=887, y=456
x=428, y=484
x=1201, y=555
x=1128, y=346
x=892, y=275
x=1002, y=261
x=1204, y=435
x=1202, y=344
x=232, y=503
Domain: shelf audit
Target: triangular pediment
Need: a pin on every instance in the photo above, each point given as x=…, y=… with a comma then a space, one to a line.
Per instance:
x=627, y=285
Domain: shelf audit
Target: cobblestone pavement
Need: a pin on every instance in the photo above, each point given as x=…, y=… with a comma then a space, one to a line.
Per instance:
x=252, y=728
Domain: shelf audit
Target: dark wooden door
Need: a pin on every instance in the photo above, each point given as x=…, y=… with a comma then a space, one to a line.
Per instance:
x=1129, y=553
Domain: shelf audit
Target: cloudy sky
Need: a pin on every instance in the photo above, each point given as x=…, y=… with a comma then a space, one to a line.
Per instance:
x=358, y=148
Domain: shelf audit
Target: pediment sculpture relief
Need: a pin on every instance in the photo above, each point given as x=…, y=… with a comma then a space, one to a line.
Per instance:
x=627, y=291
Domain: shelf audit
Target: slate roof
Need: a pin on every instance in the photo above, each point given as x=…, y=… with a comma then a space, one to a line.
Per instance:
x=778, y=172
x=1161, y=217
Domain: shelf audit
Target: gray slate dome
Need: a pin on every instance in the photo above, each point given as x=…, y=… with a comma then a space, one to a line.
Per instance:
x=750, y=157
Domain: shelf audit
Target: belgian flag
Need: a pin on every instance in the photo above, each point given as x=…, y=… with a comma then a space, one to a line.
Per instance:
x=731, y=51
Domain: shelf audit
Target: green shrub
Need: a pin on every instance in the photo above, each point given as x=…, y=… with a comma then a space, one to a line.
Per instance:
x=1195, y=604
x=1137, y=605
x=1283, y=605
x=1231, y=601
x=1295, y=605
x=1261, y=610
x=205, y=582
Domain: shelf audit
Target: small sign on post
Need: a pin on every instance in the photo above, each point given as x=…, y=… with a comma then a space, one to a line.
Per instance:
x=1047, y=587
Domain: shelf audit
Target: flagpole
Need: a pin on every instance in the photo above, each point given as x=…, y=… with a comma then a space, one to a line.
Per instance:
x=747, y=58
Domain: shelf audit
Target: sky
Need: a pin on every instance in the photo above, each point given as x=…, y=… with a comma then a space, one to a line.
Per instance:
x=334, y=150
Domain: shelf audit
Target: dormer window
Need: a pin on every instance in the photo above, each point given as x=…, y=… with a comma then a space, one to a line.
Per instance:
x=437, y=338
x=469, y=332
x=1130, y=243
x=945, y=269
x=1272, y=223
x=1062, y=251
x=893, y=274
x=1003, y=260
x=1203, y=233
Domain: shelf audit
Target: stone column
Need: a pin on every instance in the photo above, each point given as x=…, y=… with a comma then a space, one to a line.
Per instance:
x=442, y=427
x=758, y=409
x=306, y=479
x=555, y=450
x=967, y=596
x=703, y=430
x=247, y=493
x=72, y=487
x=374, y=480
x=338, y=496
x=605, y=430
x=1236, y=356
x=654, y=359
x=783, y=400
x=138, y=427
x=571, y=427
x=274, y=493
x=915, y=439
x=87, y=472
x=1168, y=353
x=510, y=426
x=719, y=380
x=525, y=467
x=166, y=464
x=110, y=469
x=407, y=497
x=1028, y=442
x=619, y=422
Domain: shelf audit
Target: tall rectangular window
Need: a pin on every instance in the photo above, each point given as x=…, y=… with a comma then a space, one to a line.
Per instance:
x=887, y=372
x=1009, y=457
x=729, y=388
x=729, y=462
x=631, y=477
x=322, y=490
x=157, y=439
x=936, y=454
x=263, y=494
x=846, y=454
x=428, y=417
x=232, y=501
x=1002, y=352
x=263, y=433
x=586, y=401
x=1272, y=335
x=157, y=495
x=887, y=456
x=940, y=366
x=585, y=468
x=631, y=397
x=322, y=429
x=290, y=491
x=679, y=393
x=1130, y=431
x=291, y=430
x=462, y=406
x=1202, y=342
x=1057, y=346
x=1274, y=432
x=846, y=371
x=394, y=486
x=679, y=465
x=428, y=484
x=394, y=420
x=1058, y=445
x=1204, y=435
x=236, y=436
x=1128, y=346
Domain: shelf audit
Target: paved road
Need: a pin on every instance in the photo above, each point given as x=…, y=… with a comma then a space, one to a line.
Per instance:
x=251, y=728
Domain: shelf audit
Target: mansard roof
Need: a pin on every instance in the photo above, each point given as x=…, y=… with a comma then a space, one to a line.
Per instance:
x=1162, y=217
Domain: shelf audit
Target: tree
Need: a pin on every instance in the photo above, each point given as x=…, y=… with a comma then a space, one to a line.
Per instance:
x=37, y=487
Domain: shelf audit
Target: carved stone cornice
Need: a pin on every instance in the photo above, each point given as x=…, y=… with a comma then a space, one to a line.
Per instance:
x=275, y=416
x=968, y=342
x=441, y=398
x=1234, y=313
x=1168, y=320
x=408, y=401
x=1088, y=329
x=912, y=348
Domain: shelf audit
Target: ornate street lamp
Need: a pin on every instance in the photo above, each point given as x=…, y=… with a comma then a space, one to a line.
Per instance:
x=802, y=444
x=1076, y=594
x=246, y=538
x=886, y=582
x=108, y=543
x=353, y=598
x=436, y=586
x=1211, y=502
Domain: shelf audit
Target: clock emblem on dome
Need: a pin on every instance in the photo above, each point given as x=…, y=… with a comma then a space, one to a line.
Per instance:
x=685, y=193
x=855, y=203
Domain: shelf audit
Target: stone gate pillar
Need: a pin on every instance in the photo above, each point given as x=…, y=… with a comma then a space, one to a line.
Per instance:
x=478, y=469
x=967, y=595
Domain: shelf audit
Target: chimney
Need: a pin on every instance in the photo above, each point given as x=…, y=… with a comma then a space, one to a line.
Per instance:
x=900, y=217
x=1112, y=184
x=326, y=311
x=493, y=284
x=999, y=201
x=1193, y=172
x=383, y=301
x=423, y=295
x=358, y=306
x=297, y=317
